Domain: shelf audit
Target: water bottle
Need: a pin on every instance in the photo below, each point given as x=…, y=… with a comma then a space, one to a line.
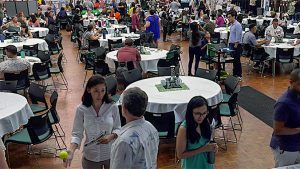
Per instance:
x=227, y=29
x=22, y=54
x=211, y=155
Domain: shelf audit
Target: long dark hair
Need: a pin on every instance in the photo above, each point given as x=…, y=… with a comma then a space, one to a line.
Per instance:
x=195, y=33
x=87, y=99
x=192, y=135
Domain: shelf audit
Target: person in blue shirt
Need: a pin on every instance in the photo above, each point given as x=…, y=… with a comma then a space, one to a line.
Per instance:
x=285, y=141
x=235, y=40
x=192, y=141
x=152, y=25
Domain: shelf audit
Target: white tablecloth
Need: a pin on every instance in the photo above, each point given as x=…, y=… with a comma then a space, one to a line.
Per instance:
x=148, y=62
x=42, y=31
x=14, y=112
x=258, y=21
x=160, y=102
x=104, y=42
x=41, y=43
x=112, y=28
x=272, y=47
x=31, y=60
x=224, y=32
x=297, y=166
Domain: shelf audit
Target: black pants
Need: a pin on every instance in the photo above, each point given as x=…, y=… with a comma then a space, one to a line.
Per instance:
x=236, y=54
x=194, y=52
x=165, y=31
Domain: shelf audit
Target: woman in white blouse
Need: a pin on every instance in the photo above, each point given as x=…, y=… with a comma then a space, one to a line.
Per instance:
x=97, y=115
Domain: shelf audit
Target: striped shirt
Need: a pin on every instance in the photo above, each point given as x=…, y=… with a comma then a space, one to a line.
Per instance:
x=136, y=147
x=87, y=121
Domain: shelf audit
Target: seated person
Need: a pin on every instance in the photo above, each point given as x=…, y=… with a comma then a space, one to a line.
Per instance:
x=129, y=54
x=89, y=14
x=21, y=17
x=204, y=42
x=297, y=29
x=33, y=21
x=274, y=30
x=250, y=39
x=209, y=25
x=13, y=64
x=39, y=14
x=220, y=19
x=50, y=20
x=13, y=23
x=25, y=32
x=77, y=19
x=90, y=34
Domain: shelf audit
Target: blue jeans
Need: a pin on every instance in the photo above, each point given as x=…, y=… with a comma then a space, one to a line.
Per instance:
x=236, y=54
x=194, y=52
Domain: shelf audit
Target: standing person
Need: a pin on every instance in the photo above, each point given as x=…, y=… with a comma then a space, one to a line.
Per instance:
x=122, y=8
x=165, y=24
x=137, y=144
x=194, y=47
x=252, y=6
x=235, y=40
x=97, y=115
x=192, y=142
x=135, y=22
x=174, y=6
x=286, y=127
x=152, y=25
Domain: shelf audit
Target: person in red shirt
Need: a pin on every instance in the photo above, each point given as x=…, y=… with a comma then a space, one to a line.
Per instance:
x=129, y=54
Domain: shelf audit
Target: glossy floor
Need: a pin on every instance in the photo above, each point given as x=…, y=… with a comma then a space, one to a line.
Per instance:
x=251, y=152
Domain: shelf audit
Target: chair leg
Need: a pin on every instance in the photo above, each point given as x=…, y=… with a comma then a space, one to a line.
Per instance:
x=233, y=129
x=56, y=139
x=84, y=79
x=64, y=134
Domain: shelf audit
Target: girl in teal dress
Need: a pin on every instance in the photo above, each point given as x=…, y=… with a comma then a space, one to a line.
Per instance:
x=192, y=144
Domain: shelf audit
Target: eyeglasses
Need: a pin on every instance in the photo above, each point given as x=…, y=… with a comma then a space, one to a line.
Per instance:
x=201, y=114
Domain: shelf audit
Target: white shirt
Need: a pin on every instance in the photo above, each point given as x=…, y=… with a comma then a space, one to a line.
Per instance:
x=270, y=30
x=87, y=121
x=136, y=147
x=297, y=29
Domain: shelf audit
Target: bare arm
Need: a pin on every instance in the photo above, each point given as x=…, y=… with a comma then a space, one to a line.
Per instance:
x=3, y=164
x=147, y=24
x=281, y=129
x=181, y=146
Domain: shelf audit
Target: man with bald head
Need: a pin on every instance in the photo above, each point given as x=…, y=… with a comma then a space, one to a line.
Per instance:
x=129, y=54
x=285, y=141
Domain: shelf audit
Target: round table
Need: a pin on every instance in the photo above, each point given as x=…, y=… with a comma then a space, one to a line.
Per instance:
x=272, y=48
x=148, y=62
x=42, y=31
x=259, y=21
x=112, y=28
x=14, y=112
x=124, y=36
x=223, y=32
x=161, y=102
x=42, y=44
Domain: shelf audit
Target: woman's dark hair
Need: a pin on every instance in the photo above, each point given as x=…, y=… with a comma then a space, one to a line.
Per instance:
x=195, y=33
x=152, y=12
x=87, y=99
x=132, y=4
x=192, y=135
x=90, y=27
x=62, y=8
x=23, y=25
x=164, y=15
x=134, y=10
x=33, y=18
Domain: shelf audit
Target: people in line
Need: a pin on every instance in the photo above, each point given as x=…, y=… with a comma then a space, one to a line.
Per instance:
x=286, y=132
x=137, y=143
x=97, y=117
x=194, y=134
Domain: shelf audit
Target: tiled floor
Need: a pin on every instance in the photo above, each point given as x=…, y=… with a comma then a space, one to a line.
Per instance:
x=251, y=152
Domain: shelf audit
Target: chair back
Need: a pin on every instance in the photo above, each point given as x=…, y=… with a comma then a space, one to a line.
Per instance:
x=166, y=71
x=266, y=23
x=52, y=110
x=100, y=52
x=216, y=37
x=114, y=44
x=8, y=86
x=284, y=55
x=111, y=84
x=146, y=38
x=31, y=50
x=59, y=62
x=93, y=44
x=231, y=83
x=36, y=94
x=89, y=60
x=232, y=103
x=41, y=71
x=206, y=74
x=21, y=78
x=250, y=21
x=100, y=67
x=163, y=122
x=257, y=53
x=39, y=128
x=131, y=76
x=44, y=56
x=247, y=50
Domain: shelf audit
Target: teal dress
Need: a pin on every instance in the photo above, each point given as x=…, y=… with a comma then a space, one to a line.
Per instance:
x=198, y=161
